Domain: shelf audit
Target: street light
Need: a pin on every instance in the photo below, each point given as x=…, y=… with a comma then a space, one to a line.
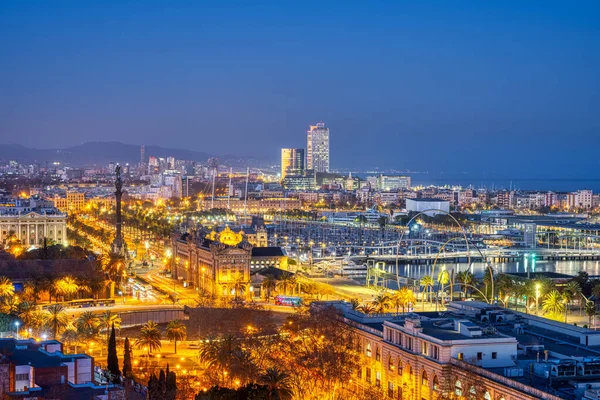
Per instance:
x=17, y=325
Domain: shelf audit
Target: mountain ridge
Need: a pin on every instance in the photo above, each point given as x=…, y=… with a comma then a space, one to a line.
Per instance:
x=101, y=153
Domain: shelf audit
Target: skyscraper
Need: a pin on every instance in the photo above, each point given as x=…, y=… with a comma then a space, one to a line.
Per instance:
x=142, y=155
x=317, y=156
x=292, y=162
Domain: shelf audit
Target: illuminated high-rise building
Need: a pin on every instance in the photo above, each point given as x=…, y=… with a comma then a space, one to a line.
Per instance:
x=292, y=162
x=317, y=149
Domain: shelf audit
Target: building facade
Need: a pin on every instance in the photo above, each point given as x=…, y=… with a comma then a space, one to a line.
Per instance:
x=33, y=227
x=317, y=148
x=419, y=358
x=210, y=265
x=292, y=162
x=72, y=201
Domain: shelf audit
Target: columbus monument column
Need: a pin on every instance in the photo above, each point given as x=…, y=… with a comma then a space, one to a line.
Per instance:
x=119, y=246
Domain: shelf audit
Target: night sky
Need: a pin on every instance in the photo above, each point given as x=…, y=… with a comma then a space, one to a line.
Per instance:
x=508, y=86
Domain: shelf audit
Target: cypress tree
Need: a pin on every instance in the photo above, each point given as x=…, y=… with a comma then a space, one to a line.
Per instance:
x=162, y=382
x=112, y=360
x=127, y=370
x=171, y=385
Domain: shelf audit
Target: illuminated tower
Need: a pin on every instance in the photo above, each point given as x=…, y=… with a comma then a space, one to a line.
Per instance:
x=292, y=162
x=142, y=155
x=317, y=149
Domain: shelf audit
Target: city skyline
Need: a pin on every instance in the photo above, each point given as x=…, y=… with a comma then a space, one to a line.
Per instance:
x=457, y=86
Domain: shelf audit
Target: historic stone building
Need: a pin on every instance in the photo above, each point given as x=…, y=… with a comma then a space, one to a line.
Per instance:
x=211, y=265
x=33, y=227
x=218, y=261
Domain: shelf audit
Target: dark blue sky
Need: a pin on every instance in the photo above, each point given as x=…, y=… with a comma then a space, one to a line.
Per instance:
x=509, y=86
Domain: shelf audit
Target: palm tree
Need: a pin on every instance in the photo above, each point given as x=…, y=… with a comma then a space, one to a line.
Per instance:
x=427, y=282
x=238, y=284
x=7, y=289
x=87, y=324
x=30, y=292
x=107, y=319
x=56, y=318
x=287, y=281
x=506, y=288
x=466, y=278
x=402, y=298
x=269, y=284
x=443, y=278
x=553, y=304
x=65, y=287
x=366, y=308
x=27, y=312
x=571, y=291
x=590, y=311
x=277, y=383
x=382, y=302
x=176, y=331
x=114, y=267
x=70, y=336
x=149, y=338
x=10, y=305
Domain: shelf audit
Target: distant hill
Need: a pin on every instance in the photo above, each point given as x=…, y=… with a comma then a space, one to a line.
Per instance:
x=94, y=153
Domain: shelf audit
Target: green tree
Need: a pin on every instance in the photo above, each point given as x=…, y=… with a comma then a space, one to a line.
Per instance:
x=268, y=285
x=127, y=368
x=108, y=319
x=87, y=324
x=382, y=302
x=56, y=318
x=590, y=311
x=7, y=289
x=427, y=282
x=112, y=360
x=277, y=383
x=176, y=331
x=149, y=338
x=553, y=304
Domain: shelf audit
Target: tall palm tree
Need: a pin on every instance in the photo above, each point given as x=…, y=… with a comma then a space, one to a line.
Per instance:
x=571, y=291
x=27, y=312
x=238, y=284
x=87, y=324
x=402, y=298
x=427, y=282
x=506, y=288
x=149, y=338
x=107, y=319
x=269, y=284
x=114, y=268
x=277, y=383
x=553, y=303
x=466, y=278
x=65, y=287
x=176, y=331
x=366, y=308
x=56, y=318
x=382, y=302
x=7, y=289
x=287, y=281
x=31, y=292
x=590, y=311
x=443, y=279
x=10, y=305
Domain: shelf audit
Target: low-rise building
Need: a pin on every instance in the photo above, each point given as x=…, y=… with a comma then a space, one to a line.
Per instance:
x=30, y=369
